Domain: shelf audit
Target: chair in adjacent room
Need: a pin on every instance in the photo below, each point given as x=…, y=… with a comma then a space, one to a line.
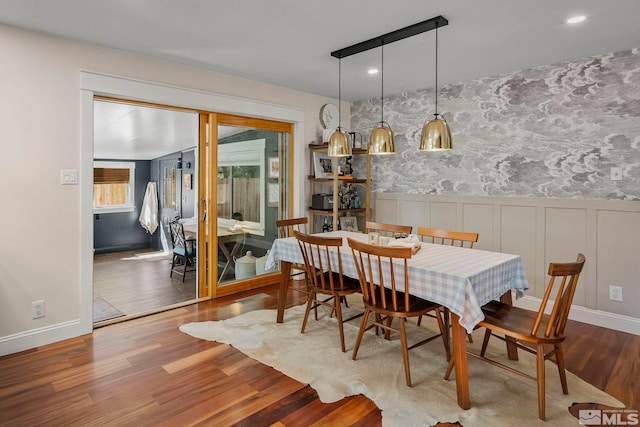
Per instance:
x=535, y=328
x=286, y=227
x=385, y=301
x=184, y=250
x=326, y=278
x=389, y=230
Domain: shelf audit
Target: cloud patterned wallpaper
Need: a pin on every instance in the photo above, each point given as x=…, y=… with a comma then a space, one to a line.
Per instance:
x=551, y=131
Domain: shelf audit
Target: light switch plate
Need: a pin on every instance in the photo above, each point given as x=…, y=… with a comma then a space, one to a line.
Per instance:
x=68, y=176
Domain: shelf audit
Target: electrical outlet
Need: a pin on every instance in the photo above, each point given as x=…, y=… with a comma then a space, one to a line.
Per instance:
x=615, y=293
x=37, y=309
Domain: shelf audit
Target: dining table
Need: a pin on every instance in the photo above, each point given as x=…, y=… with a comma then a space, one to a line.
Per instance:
x=233, y=236
x=460, y=279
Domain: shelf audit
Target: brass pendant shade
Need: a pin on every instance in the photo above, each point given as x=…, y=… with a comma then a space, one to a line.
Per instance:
x=382, y=141
x=339, y=143
x=436, y=135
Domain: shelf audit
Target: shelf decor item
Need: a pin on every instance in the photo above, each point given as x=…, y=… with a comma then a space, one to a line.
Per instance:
x=348, y=223
x=322, y=165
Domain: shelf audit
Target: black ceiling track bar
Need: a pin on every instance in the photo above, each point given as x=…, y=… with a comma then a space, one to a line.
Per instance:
x=394, y=36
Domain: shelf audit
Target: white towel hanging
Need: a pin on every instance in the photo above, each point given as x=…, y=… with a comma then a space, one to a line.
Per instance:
x=149, y=212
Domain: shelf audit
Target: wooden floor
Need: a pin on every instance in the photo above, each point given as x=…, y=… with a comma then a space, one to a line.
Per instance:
x=146, y=372
x=134, y=282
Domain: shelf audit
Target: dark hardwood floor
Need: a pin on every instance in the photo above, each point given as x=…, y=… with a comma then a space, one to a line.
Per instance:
x=136, y=282
x=146, y=372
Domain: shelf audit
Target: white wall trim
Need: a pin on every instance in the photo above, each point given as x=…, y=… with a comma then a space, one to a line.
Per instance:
x=604, y=319
x=36, y=337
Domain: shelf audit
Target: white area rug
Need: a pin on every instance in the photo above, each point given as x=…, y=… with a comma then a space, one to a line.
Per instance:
x=498, y=398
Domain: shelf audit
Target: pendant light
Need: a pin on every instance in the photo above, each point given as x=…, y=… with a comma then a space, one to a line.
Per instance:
x=436, y=135
x=382, y=141
x=339, y=141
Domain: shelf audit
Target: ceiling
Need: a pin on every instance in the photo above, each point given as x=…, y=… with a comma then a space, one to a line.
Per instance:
x=288, y=42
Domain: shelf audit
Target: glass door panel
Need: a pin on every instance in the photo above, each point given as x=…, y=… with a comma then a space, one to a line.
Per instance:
x=252, y=190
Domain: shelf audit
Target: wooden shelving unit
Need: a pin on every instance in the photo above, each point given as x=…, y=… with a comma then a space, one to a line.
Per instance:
x=336, y=181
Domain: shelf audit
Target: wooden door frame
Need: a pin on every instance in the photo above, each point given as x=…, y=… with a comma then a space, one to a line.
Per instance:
x=209, y=286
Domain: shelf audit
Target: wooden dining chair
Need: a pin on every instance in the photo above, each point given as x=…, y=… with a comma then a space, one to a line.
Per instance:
x=464, y=239
x=326, y=278
x=383, y=298
x=535, y=328
x=286, y=227
x=390, y=230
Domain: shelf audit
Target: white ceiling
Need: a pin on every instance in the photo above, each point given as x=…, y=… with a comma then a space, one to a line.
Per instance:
x=288, y=42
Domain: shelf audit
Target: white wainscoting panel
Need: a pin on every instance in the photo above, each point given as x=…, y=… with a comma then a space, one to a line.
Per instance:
x=543, y=230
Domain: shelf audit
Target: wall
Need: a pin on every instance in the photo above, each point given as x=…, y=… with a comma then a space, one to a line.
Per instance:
x=530, y=169
x=552, y=131
x=40, y=124
x=113, y=232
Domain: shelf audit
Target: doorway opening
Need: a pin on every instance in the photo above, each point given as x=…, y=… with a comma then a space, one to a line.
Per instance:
x=145, y=176
x=180, y=185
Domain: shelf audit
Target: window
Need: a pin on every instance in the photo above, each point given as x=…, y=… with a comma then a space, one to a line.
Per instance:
x=241, y=179
x=113, y=187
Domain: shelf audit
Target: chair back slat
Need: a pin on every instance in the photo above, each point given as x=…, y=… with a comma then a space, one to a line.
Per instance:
x=369, y=259
x=177, y=234
x=390, y=230
x=286, y=227
x=567, y=274
x=447, y=237
x=316, y=252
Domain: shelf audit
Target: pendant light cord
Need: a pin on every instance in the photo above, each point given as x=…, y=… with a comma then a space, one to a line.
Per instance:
x=339, y=93
x=436, y=71
x=382, y=84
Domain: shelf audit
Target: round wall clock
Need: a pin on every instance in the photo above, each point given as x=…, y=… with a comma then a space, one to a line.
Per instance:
x=329, y=116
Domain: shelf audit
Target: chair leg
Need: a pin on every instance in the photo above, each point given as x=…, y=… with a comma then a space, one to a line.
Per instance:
x=338, y=309
x=561, y=369
x=184, y=272
x=444, y=332
x=363, y=326
x=173, y=263
x=449, y=369
x=405, y=352
x=540, y=374
x=485, y=342
x=310, y=301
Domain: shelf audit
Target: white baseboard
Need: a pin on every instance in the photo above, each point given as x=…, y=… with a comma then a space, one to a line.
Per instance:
x=42, y=336
x=604, y=319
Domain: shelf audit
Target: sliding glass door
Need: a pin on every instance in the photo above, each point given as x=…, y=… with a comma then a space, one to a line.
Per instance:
x=247, y=189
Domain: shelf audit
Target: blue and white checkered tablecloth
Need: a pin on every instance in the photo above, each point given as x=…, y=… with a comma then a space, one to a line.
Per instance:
x=460, y=279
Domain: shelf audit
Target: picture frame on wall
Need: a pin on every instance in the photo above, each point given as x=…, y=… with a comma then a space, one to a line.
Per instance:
x=322, y=165
x=273, y=194
x=186, y=181
x=274, y=167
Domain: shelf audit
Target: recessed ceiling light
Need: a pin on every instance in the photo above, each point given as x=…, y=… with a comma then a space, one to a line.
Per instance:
x=372, y=71
x=576, y=19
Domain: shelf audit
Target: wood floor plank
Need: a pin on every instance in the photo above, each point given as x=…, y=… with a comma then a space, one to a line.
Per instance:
x=146, y=372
